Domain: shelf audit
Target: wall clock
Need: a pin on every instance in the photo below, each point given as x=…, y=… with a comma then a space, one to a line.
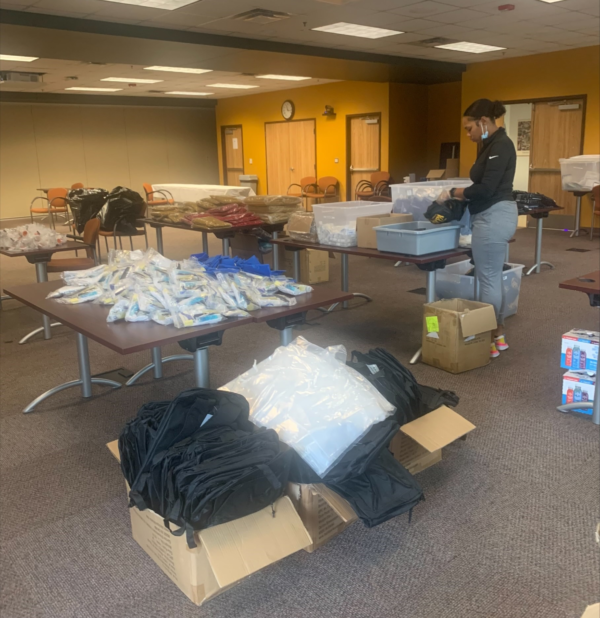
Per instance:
x=288, y=110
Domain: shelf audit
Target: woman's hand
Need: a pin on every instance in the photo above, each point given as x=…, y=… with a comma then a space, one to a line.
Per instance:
x=458, y=194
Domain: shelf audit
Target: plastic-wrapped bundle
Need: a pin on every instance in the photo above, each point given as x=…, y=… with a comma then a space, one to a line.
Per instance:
x=301, y=226
x=318, y=405
x=337, y=235
x=30, y=236
x=273, y=208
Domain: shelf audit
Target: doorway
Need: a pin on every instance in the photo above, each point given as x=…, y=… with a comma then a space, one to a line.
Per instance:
x=233, y=154
x=291, y=153
x=363, y=149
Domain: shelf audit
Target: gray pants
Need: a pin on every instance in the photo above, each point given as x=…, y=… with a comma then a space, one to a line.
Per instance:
x=492, y=229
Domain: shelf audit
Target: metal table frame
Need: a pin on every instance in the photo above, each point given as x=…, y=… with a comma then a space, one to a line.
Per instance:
x=539, y=226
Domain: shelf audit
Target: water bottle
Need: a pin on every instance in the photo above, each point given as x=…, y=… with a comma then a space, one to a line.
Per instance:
x=585, y=396
x=582, y=359
x=575, y=359
x=570, y=396
x=569, y=356
x=577, y=394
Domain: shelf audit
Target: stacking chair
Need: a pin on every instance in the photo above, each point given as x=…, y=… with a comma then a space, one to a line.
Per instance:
x=595, y=208
x=305, y=189
x=325, y=187
x=90, y=237
x=378, y=186
x=77, y=185
x=55, y=203
x=151, y=201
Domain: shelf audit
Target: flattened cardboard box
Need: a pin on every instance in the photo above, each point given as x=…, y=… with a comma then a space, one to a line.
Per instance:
x=457, y=334
x=323, y=512
x=226, y=554
x=366, y=236
x=418, y=444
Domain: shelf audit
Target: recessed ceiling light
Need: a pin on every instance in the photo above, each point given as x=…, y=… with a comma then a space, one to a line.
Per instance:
x=238, y=86
x=191, y=94
x=291, y=78
x=167, y=5
x=365, y=32
x=178, y=70
x=470, y=48
x=18, y=58
x=94, y=89
x=551, y=1
x=126, y=80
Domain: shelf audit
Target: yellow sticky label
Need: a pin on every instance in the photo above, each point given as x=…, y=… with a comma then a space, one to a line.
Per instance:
x=433, y=326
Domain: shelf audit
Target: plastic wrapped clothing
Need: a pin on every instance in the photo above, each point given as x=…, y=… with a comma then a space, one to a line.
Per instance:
x=198, y=461
x=318, y=405
x=398, y=385
x=450, y=210
x=123, y=208
x=85, y=205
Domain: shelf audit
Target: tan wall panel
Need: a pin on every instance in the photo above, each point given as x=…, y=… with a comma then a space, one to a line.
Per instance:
x=105, y=146
x=59, y=144
x=19, y=172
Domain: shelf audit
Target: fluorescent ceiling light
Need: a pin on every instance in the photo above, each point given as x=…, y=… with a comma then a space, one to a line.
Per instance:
x=191, y=94
x=365, y=32
x=470, y=48
x=18, y=58
x=291, y=78
x=94, y=89
x=238, y=86
x=131, y=81
x=167, y=5
x=551, y=1
x=178, y=70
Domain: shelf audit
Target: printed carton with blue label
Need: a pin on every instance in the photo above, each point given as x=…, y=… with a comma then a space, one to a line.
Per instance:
x=579, y=386
x=579, y=351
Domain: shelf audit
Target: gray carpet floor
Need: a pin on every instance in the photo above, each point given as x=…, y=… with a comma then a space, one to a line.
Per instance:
x=506, y=531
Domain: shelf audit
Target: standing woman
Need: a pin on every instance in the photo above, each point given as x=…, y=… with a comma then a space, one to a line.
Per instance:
x=493, y=211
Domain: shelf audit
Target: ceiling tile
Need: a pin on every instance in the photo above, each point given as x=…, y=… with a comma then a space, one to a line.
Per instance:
x=84, y=7
x=411, y=25
x=110, y=10
x=422, y=9
x=458, y=16
x=463, y=3
x=590, y=7
x=16, y=4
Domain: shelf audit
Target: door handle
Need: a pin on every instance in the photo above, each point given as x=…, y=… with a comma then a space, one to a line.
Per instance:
x=291, y=169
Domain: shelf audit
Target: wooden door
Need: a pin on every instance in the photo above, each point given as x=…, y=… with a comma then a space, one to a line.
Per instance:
x=290, y=154
x=364, y=135
x=233, y=155
x=556, y=133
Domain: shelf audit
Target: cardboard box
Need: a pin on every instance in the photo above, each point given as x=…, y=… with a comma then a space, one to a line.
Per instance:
x=246, y=246
x=314, y=266
x=457, y=334
x=225, y=554
x=323, y=512
x=418, y=444
x=436, y=174
x=452, y=168
x=592, y=611
x=365, y=232
x=579, y=350
x=578, y=386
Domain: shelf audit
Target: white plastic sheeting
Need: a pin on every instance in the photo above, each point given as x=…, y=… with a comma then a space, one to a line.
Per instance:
x=318, y=405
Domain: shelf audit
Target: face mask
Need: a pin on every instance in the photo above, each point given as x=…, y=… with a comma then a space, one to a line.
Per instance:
x=485, y=134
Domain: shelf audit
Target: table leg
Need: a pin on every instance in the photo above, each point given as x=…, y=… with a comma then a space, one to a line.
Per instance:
x=156, y=364
x=575, y=232
x=297, y=265
x=507, y=253
x=226, y=247
x=275, y=252
x=538, y=249
x=201, y=368
x=85, y=378
x=41, y=274
x=429, y=298
x=476, y=286
x=159, y=240
x=345, y=277
x=286, y=335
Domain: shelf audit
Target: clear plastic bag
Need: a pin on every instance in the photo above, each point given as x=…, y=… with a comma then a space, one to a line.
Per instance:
x=318, y=405
x=30, y=237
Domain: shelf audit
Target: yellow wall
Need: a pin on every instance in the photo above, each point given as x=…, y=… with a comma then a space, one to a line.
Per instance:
x=556, y=74
x=443, y=118
x=346, y=98
x=101, y=146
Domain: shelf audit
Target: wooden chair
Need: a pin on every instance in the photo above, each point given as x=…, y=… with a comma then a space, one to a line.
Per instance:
x=77, y=185
x=325, y=187
x=90, y=237
x=377, y=186
x=55, y=204
x=167, y=196
x=595, y=208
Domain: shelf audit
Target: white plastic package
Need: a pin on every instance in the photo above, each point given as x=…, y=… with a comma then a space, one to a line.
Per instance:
x=318, y=405
x=29, y=237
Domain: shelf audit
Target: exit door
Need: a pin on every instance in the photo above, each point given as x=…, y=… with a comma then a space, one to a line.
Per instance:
x=233, y=154
x=364, y=148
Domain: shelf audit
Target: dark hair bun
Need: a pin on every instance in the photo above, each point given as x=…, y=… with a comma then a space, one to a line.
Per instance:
x=498, y=109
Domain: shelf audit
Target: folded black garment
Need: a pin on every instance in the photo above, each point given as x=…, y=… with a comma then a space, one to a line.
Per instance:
x=198, y=461
x=527, y=201
x=450, y=210
x=398, y=385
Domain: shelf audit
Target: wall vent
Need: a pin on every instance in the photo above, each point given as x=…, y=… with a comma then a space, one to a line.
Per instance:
x=261, y=16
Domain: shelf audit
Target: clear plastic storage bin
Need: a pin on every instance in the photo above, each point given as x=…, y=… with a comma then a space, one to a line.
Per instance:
x=336, y=223
x=417, y=237
x=453, y=282
x=415, y=197
x=580, y=173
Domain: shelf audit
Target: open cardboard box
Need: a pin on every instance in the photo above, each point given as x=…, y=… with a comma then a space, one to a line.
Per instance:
x=366, y=236
x=225, y=554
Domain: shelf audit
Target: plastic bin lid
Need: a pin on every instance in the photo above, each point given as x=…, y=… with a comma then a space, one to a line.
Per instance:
x=248, y=177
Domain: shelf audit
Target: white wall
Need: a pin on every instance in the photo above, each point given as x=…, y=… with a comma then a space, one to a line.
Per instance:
x=46, y=145
x=514, y=113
